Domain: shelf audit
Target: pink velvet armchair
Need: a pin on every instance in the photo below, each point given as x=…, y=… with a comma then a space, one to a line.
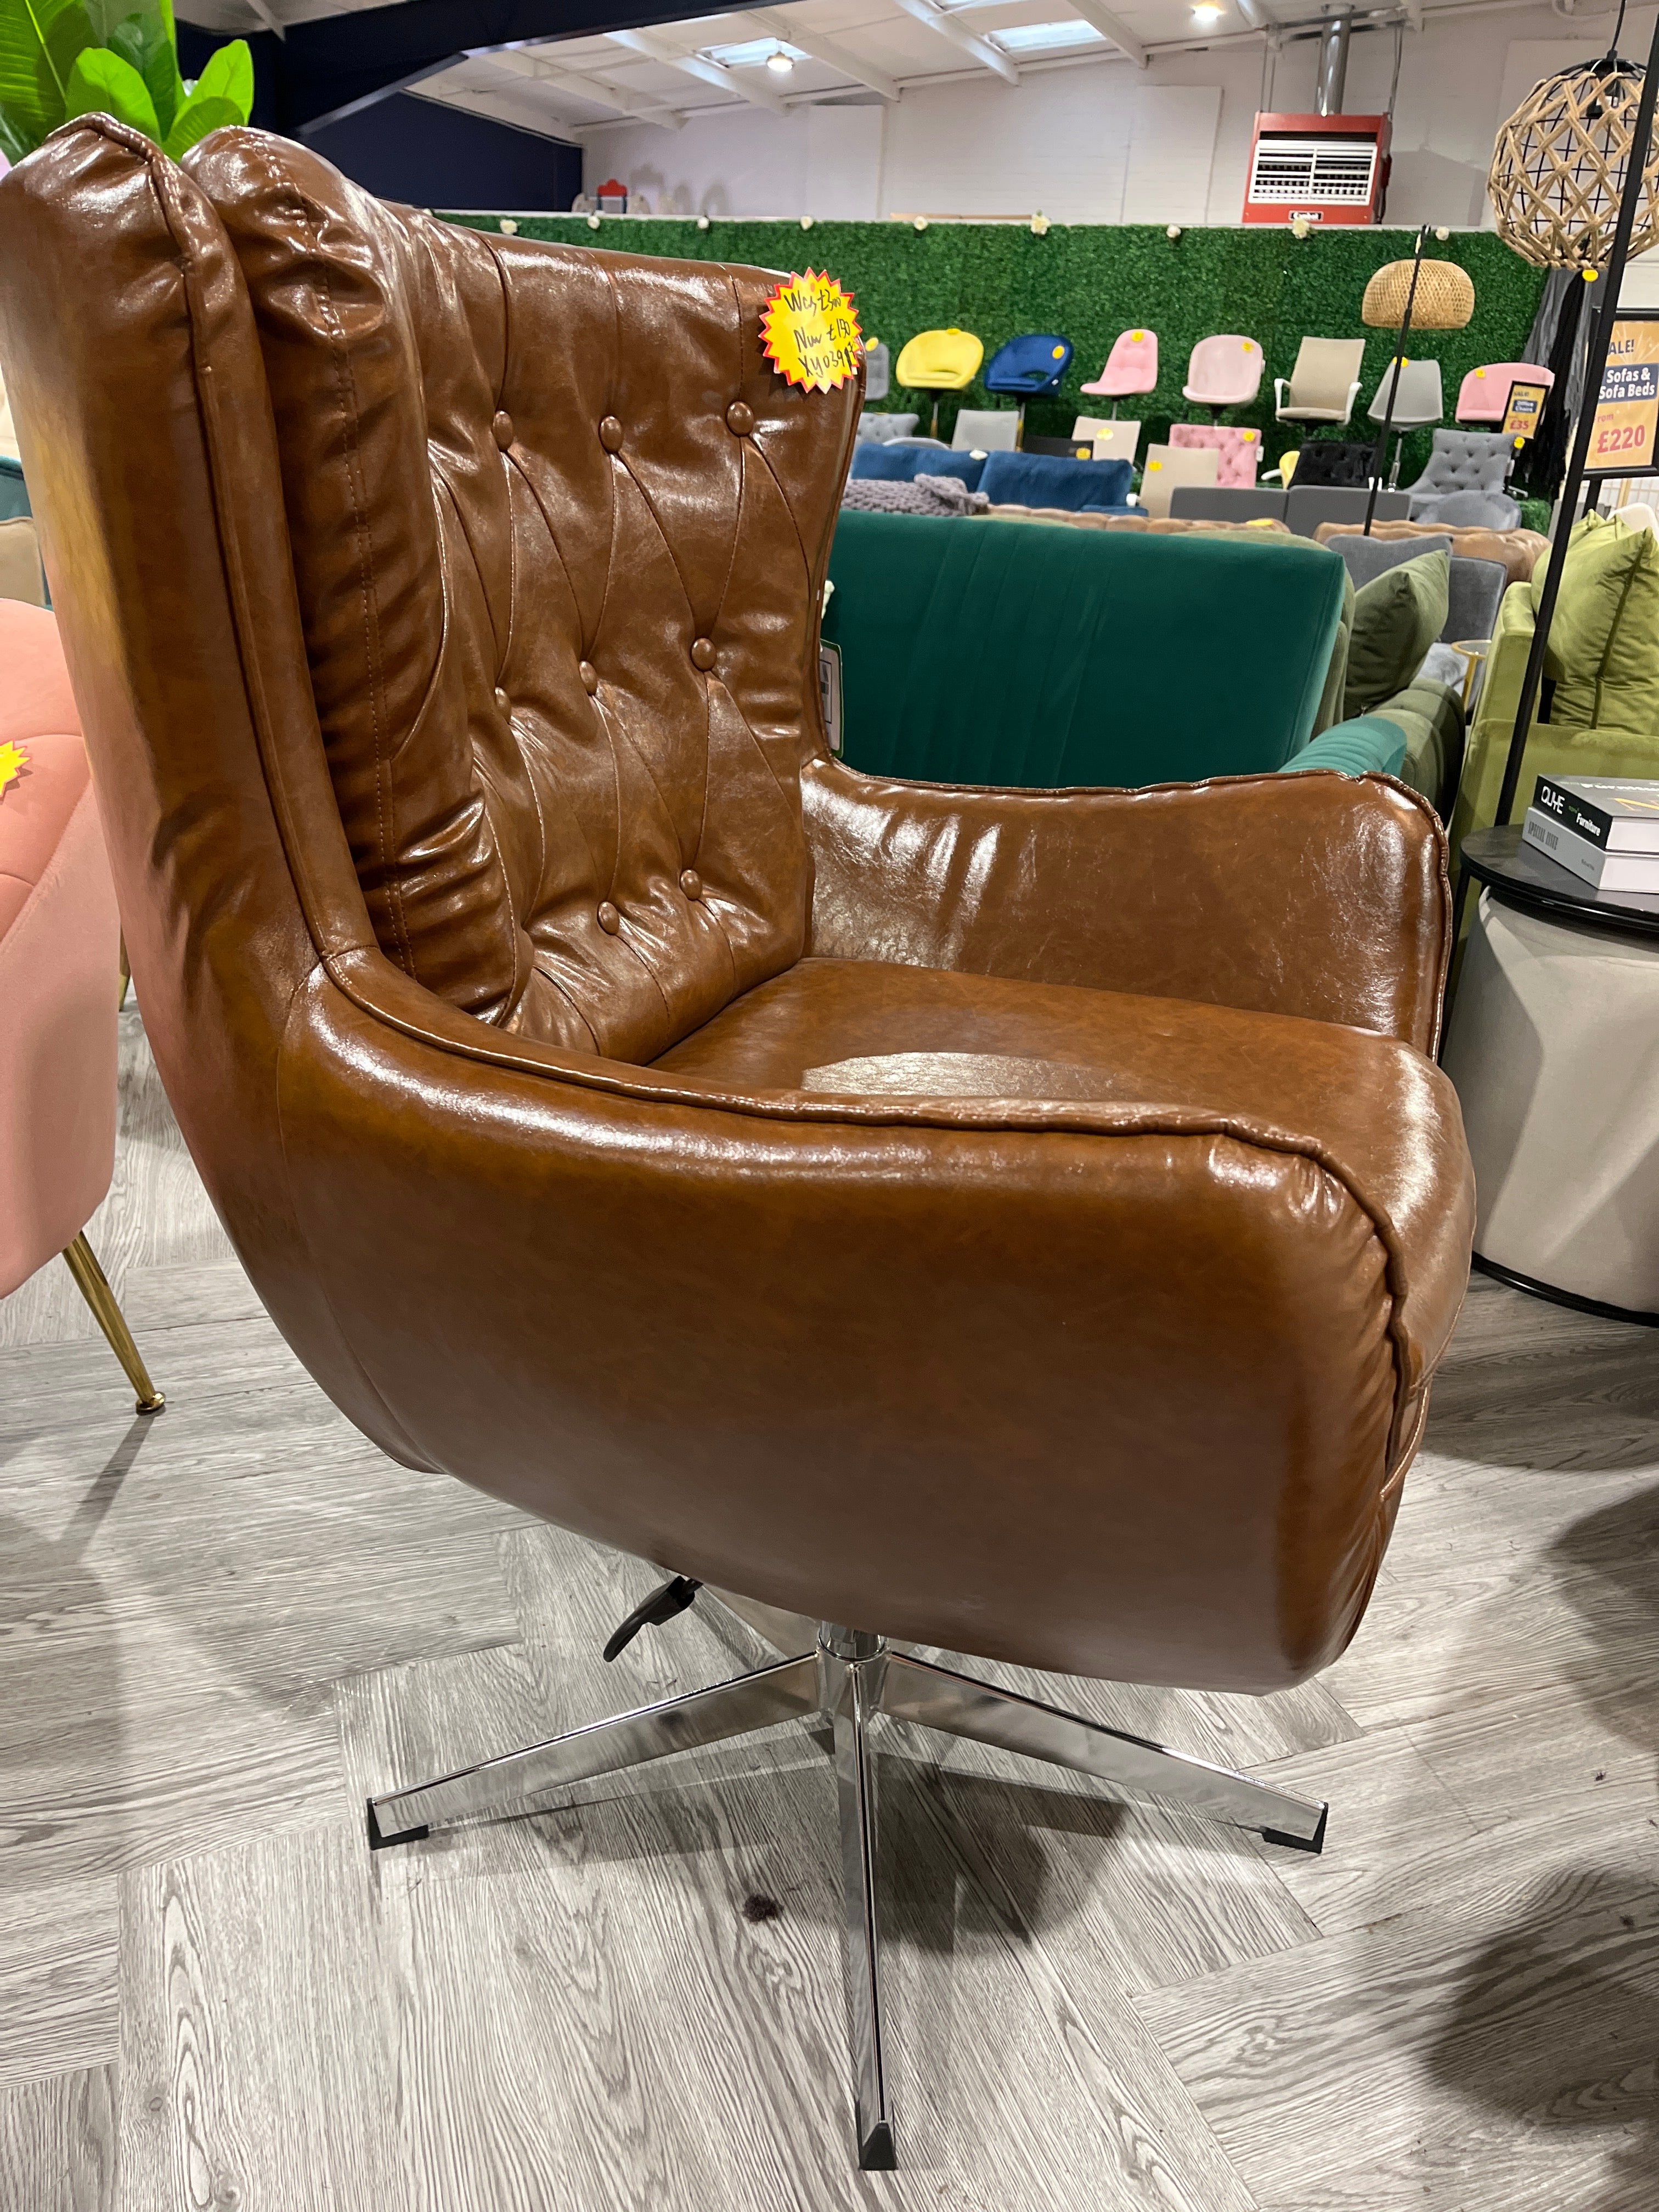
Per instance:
x=59, y=948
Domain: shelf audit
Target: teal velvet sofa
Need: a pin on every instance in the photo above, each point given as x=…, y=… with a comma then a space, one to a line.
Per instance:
x=1038, y=656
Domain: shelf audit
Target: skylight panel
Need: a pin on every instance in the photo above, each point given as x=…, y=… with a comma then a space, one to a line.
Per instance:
x=1034, y=38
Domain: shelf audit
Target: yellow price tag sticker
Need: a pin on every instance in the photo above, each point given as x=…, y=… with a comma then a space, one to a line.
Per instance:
x=810, y=332
x=13, y=761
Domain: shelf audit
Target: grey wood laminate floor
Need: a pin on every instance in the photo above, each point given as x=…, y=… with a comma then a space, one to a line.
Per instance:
x=219, y=1628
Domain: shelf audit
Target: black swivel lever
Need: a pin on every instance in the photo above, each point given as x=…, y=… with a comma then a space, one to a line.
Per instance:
x=653, y=1612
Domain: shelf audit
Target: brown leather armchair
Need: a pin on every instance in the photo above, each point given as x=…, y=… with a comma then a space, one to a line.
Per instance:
x=1020, y=1223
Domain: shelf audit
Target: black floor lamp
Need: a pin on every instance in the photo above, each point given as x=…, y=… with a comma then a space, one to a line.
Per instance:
x=1572, y=159
x=1379, y=459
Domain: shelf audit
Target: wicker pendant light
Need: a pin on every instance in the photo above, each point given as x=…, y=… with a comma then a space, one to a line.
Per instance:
x=1444, y=300
x=1558, y=166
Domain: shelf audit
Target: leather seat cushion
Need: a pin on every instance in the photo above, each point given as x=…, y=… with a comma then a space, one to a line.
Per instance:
x=1377, y=1107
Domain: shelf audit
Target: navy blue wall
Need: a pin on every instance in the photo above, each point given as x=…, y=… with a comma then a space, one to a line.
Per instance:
x=331, y=61
x=404, y=148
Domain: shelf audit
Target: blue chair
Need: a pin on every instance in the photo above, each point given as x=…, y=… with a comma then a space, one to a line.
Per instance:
x=1028, y=367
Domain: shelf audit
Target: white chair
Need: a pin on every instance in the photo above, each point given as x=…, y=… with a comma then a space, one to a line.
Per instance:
x=1324, y=384
x=1112, y=441
x=1418, y=402
x=985, y=430
x=1168, y=468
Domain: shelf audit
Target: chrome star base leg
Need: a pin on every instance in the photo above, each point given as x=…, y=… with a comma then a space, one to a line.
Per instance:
x=849, y=1678
x=853, y=1668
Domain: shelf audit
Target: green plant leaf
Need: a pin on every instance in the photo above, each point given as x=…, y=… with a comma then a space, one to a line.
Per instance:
x=228, y=76
x=39, y=41
x=146, y=42
x=14, y=143
x=200, y=114
x=101, y=83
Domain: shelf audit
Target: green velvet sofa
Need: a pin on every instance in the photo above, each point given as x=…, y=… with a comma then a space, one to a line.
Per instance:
x=1599, y=712
x=1035, y=656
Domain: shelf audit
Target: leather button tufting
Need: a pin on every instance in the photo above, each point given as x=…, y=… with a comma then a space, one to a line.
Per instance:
x=739, y=419
x=590, y=676
x=609, y=920
x=503, y=701
x=691, y=883
x=501, y=429
x=611, y=435
x=702, y=653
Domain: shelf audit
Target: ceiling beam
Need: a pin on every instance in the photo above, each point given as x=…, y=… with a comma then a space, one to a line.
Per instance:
x=730, y=80
x=1111, y=27
x=829, y=51
x=988, y=57
x=539, y=65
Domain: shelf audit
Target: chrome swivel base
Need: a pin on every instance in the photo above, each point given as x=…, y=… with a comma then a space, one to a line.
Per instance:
x=848, y=1678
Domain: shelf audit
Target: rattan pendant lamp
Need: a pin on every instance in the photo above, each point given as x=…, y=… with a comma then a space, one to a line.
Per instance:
x=1558, y=166
x=1557, y=170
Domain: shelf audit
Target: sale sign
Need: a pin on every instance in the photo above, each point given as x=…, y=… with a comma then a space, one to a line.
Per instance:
x=809, y=333
x=1525, y=410
x=1625, y=437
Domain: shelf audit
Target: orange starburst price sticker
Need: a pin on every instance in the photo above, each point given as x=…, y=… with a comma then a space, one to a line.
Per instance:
x=809, y=333
x=13, y=761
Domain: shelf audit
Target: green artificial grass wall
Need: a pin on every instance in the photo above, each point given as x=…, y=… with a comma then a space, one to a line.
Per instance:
x=1088, y=282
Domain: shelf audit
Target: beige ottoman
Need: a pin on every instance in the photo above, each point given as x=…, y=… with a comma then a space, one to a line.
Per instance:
x=1553, y=1045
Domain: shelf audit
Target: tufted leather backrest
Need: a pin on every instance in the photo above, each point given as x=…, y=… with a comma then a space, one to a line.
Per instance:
x=551, y=513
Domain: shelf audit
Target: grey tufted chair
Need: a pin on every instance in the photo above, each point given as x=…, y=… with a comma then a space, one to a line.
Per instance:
x=1469, y=466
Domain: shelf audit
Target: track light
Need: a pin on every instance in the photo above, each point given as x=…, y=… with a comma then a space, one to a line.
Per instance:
x=1206, y=14
x=780, y=64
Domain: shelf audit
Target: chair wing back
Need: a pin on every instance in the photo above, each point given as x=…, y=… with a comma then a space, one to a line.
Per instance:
x=548, y=513
x=1326, y=371
x=271, y=664
x=555, y=605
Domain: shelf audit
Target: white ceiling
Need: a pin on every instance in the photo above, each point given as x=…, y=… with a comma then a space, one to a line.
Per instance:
x=864, y=50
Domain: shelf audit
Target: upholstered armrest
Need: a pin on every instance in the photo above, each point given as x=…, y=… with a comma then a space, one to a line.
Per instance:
x=1365, y=744
x=1322, y=895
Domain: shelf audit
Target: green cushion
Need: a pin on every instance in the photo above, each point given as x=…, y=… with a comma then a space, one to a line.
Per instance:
x=1363, y=745
x=1048, y=655
x=1397, y=616
x=1603, y=651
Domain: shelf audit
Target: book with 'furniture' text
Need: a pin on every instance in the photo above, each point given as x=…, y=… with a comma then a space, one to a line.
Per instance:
x=1616, y=814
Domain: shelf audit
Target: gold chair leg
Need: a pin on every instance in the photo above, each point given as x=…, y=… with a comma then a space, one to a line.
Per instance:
x=126, y=978
x=90, y=1281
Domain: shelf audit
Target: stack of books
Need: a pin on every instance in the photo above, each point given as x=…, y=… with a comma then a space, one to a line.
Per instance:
x=1604, y=828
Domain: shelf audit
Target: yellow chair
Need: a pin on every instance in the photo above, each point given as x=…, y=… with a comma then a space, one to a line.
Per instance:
x=939, y=361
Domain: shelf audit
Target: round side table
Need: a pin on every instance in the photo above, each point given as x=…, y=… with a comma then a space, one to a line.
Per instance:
x=1553, y=1046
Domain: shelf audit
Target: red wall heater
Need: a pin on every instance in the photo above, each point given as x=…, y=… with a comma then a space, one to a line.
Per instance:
x=1331, y=169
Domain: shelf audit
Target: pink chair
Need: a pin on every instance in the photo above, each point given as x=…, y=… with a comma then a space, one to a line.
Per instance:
x=1239, y=451
x=1224, y=372
x=1484, y=394
x=59, y=939
x=1131, y=366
